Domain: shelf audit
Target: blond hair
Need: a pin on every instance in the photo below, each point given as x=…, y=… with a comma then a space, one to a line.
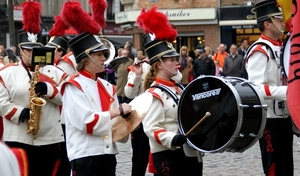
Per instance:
x=81, y=64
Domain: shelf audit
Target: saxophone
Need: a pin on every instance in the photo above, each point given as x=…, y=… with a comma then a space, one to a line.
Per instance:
x=35, y=105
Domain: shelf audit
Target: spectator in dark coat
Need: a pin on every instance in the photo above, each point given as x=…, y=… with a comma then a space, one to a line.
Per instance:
x=243, y=48
x=203, y=65
x=234, y=64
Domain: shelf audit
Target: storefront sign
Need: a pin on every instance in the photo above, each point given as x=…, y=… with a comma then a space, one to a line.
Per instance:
x=237, y=13
x=243, y=27
x=113, y=29
x=173, y=15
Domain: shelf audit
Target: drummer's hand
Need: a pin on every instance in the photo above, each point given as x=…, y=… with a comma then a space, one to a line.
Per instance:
x=124, y=109
x=179, y=140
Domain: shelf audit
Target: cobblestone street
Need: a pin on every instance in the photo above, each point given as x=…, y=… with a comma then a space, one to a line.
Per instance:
x=216, y=164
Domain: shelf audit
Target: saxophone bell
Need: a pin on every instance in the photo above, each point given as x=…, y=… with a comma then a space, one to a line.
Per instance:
x=37, y=101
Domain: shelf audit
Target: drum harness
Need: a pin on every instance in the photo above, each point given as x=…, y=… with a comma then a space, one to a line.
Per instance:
x=176, y=100
x=281, y=104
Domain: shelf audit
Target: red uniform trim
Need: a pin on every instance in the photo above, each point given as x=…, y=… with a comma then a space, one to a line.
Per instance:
x=90, y=126
x=105, y=98
x=130, y=68
x=72, y=81
x=258, y=48
x=156, y=133
x=170, y=83
x=267, y=90
x=151, y=167
x=130, y=85
x=46, y=78
x=8, y=65
x=2, y=82
x=151, y=90
x=86, y=74
x=272, y=170
x=22, y=160
x=67, y=59
x=274, y=42
x=114, y=89
x=11, y=113
x=64, y=76
x=55, y=92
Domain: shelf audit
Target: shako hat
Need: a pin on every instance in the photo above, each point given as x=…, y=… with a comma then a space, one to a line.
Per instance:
x=157, y=41
x=28, y=35
x=59, y=42
x=157, y=49
x=58, y=39
x=85, y=43
x=88, y=40
x=266, y=9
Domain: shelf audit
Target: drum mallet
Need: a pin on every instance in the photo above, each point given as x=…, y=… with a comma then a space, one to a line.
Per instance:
x=207, y=114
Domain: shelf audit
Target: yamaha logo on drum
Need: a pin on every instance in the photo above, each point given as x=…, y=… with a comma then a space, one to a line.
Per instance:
x=206, y=94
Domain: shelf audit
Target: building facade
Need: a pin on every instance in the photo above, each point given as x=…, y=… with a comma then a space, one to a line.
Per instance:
x=196, y=21
x=51, y=8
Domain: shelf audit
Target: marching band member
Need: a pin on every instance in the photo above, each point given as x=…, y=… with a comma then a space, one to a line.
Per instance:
x=160, y=123
x=60, y=43
x=139, y=140
x=91, y=150
x=63, y=58
x=263, y=67
x=18, y=82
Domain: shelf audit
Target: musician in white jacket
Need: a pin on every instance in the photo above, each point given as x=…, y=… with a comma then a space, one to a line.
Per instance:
x=90, y=105
x=264, y=70
x=16, y=79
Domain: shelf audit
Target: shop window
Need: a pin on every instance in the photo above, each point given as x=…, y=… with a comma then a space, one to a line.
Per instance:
x=248, y=31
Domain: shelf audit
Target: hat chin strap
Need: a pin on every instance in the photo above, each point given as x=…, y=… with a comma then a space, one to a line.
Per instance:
x=24, y=55
x=163, y=64
x=280, y=30
x=96, y=63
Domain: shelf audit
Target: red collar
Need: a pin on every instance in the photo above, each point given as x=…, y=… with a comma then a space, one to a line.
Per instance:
x=169, y=83
x=274, y=42
x=86, y=74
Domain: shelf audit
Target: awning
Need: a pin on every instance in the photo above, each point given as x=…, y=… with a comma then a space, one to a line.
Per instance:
x=119, y=41
x=237, y=22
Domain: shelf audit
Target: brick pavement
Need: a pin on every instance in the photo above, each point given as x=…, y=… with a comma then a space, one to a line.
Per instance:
x=216, y=164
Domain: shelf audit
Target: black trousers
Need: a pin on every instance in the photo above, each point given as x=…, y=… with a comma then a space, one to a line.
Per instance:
x=140, y=151
x=276, y=147
x=176, y=163
x=41, y=159
x=64, y=168
x=99, y=165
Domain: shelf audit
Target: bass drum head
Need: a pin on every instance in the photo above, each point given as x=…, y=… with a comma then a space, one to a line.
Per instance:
x=214, y=95
x=285, y=55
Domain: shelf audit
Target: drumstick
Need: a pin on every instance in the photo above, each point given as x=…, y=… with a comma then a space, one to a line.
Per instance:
x=207, y=114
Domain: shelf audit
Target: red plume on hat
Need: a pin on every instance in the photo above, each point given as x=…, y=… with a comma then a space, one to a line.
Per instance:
x=156, y=22
x=59, y=27
x=74, y=16
x=31, y=11
x=98, y=8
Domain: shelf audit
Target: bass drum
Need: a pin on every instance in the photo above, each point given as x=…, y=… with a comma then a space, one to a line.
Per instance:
x=285, y=55
x=238, y=114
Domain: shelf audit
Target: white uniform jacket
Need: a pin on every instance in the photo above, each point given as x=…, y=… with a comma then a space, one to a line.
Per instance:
x=68, y=64
x=265, y=72
x=86, y=105
x=135, y=84
x=160, y=123
x=14, y=97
